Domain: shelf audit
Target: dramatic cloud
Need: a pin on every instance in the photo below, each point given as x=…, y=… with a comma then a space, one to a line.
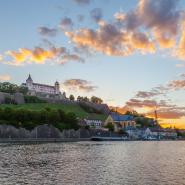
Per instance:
x=37, y=55
x=40, y=55
x=136, y=103
x=163, y=15
x=45, y=31
x=180, y=49
x=79, y=84
x=156, y=91
x=5, y=77
x=119, y=16
x=96, y=14
x=83, y=2
x=152, y=25
x=111, y=41
x=165, y=110
x=66, y=23
x=168, y=113
x=71, y=57
x=145, y=94
x=177, y=84
x=160, y=17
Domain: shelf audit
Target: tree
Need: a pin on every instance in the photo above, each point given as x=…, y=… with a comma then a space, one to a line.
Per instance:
x=12, y=88
x=86, y=99
x=110, y=126
x=23, y=90
x=71, y=121
x=8, y=87
x=71, y=97
x=133, y=113
x=33, y=99
x=31, y=118
x=64, y=94
x=79, y=98
x=96, y=100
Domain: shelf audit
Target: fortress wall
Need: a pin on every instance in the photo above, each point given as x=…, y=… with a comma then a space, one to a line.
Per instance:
x=17, y=97
x=47, y=131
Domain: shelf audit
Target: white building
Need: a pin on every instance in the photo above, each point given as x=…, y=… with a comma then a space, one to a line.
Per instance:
x=35, y=88
x=92, y=123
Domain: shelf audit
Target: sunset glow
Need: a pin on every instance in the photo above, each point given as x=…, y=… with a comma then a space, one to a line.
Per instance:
x=129, y=53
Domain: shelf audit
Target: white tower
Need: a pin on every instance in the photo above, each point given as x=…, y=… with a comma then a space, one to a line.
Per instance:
x=57, y=87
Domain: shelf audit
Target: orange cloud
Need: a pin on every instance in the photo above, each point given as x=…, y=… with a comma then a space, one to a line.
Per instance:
x=121, y=110
x=168, y=114
x=135, y=103
x=40, y=55
x=180, y=50
x=5, y=77
x=79, y=84
x=164, y=41
x=151, y=25
x=177, y=84
x=120, y=16
x=108, y=39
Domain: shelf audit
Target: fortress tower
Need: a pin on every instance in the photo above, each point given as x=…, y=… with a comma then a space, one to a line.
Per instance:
x=57, y=87
x=29, y=81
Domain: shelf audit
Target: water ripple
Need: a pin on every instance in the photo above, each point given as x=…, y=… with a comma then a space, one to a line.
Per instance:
x=93, y=163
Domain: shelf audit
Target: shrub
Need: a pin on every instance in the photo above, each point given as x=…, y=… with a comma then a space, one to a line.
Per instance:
x=89, y=109
x=33, y=99
x=29, y=119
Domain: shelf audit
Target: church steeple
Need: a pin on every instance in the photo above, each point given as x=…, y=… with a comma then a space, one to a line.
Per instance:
x=29, y=80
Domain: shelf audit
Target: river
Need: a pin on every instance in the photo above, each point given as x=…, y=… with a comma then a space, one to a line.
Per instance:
x=94, y=163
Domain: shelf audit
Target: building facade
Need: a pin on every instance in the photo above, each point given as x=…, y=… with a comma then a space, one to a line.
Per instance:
x=35, y=88
x=154, y=133
x=120, y=122
x=92, y=123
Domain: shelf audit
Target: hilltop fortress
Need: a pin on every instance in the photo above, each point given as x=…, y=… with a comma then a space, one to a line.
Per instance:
x=42, y=89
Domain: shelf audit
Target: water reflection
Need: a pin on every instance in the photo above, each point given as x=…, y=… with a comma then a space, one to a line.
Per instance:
x=90, y=163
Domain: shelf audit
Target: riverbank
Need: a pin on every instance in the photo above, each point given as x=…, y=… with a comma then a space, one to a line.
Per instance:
x=66, y=140
x=42, y=140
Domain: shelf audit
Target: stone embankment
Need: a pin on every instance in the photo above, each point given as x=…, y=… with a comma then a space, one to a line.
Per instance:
x=48, y=133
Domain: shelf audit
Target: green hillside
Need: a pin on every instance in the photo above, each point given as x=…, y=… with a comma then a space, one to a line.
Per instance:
x=66, y=108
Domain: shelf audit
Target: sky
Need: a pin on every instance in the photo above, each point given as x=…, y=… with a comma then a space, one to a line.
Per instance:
x=130, y=53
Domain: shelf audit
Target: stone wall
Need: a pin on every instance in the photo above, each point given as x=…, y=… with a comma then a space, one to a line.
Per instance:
x=48, y=131
x=17, y=97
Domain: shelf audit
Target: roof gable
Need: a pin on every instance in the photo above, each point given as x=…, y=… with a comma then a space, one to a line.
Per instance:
x=120, y=117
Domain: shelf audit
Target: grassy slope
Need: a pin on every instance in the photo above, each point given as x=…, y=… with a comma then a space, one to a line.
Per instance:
x=67, y=108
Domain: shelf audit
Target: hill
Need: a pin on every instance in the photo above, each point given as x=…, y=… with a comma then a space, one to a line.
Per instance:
x=75, y=108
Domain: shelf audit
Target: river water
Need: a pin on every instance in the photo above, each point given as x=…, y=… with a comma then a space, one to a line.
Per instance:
x=94, y=163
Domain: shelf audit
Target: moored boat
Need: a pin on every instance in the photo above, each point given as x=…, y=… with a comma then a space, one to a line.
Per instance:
x=98, y=138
